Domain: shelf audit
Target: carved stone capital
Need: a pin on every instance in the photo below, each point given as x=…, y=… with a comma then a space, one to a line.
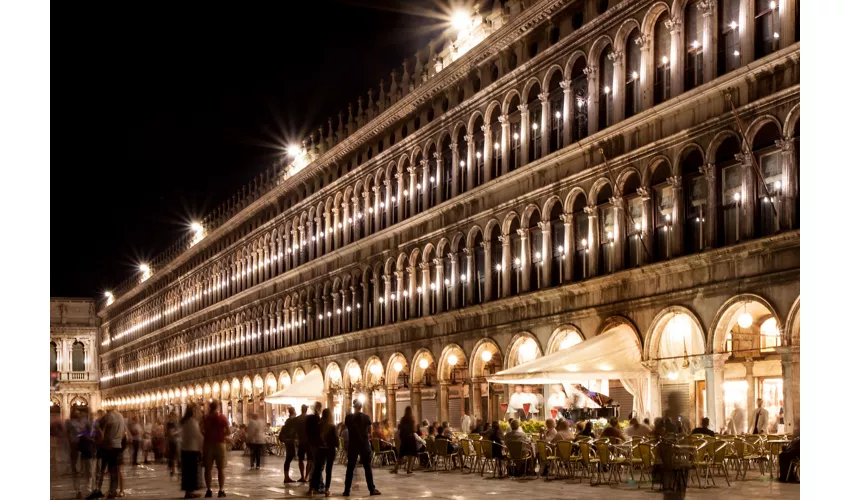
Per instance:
x=786, y=144
x=616, y=57
x=565, y=85
x=709, y=171
x=522, y=232
x=453, y=147
x=469, y=138
x=643, y=193
x=503, y=119
x=485, y=128
x=567, y=218
x=523, y=108
x=675, y=181
x=743, y=158
x=707, y=7
x=590, y=210
x=617, y=202
x=590, y=71
x=674, y=25
x=543, y=96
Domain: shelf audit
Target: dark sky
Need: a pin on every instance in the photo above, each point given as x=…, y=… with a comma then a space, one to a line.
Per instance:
x=159, y=115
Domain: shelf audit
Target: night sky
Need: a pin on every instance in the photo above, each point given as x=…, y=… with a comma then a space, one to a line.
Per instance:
x=159, y=115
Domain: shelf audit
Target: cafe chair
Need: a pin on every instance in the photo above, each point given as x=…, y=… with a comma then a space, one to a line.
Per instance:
x=379, y=457
x=487, y=458
x=546, y=458
x=441, y=454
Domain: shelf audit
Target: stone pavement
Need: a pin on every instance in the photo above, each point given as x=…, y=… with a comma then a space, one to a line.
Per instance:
x=153, y=482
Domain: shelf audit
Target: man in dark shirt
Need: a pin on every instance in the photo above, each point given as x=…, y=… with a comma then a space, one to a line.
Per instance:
x=303, y=442
x=703, y=428
x=314, y=440
x=359, y=427
x=287, y=436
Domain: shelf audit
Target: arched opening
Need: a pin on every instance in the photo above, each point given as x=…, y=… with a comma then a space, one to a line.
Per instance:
x=556, y=108
x=662, y=208
x=769, y=158
x=535, y=125
x=496, y=164
x=477, y=268
x=460, y=296
x=433, y=175
x=462, y=156
x=418, y=196
x=606, y=83
x=696, y=201
x=453, y=376
x=661, y=59
x=514, y=139
x=526, y=402
x=396, y=178
x=557, y=240
x=606, y=229
x=446, y=182
x=632, y=63
x=516, y=253
x=369, y=297
x=635, y=222
x=580, y=91
x=731, y=188
x=581, y=235
x=478, y=152
x=496, y=262
x=535, y=240
x=694, y=40
x=334, y=389
x=78, y=357
x=373, y=386
x=486, y=359
x=766, y=27
x=728, y=39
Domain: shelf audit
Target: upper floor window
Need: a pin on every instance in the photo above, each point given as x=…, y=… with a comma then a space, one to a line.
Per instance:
x=78, y=357
x=694, y=42
x=661, y=46
x=728, y=40
x=767, y=27
x=632, y=73
x=53, y=357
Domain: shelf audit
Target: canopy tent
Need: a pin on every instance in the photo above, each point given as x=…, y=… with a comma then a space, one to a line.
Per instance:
x=615, y=354
x=309, y=389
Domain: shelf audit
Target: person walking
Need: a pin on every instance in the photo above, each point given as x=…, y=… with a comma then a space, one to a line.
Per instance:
x=147, y=447
x=407, y=438
x=216, y=428
x=172, y=434
x=256, y=439
x=190, y=452
x=136, y=435
x=323, y=454
x=466, y=422
x=760, y=418
x=359, y=426
x=288, y=435
x=114, y=439
x=86, y=448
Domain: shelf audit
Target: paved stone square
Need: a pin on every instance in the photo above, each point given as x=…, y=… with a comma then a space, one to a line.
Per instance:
x=152, y=481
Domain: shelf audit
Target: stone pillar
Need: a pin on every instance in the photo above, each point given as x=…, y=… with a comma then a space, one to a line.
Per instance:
x=399, y=295
x=647, y=72
x=546, y=254
x=709, y=39
x=454, y=278
x=648, y=226
x=367, y=219
x=438, y=263
x=525, y=260
x=477, y=401
x=789, y=189
x=545, y=121
x=444, y=401
x=619, y=232
x=488, y=271
x=505, y=145
x=715, y=368
x=524, y=135
x=346, y=402
x=507, y=264
x=569, y=247
x=400, y=195
x=678, y=52
x=488, y=152
x=471, y=279
x=710, y=225
x=790, y=385
x=416, y=402
x=655, y=408
x=678, y=219
x=592, y=241
x=387, y=302
x=391, y=406
x=413, y=298
x=787, y=26
x=368, y=408
x=348, y=221
x=413, y=193
x=751, y=393
x=426, y=288
x=592, y=97
x=388, y=196
x=618, y=88
x=471, y=165
x=746, y=31
x=426, y=185
x=336, y=323
x=566, y=85
x=438, y=175
x=455, y=171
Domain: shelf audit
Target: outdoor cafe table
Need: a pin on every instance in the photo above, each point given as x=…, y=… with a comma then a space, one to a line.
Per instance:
x=772, y=446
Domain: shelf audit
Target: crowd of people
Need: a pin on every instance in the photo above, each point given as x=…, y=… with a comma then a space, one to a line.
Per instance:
x=199, y=441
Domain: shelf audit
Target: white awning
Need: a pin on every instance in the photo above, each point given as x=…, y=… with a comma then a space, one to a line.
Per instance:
x=309, y=389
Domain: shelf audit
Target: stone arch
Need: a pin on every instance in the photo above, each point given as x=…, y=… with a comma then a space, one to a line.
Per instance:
x=624, y=176
x=488, y=229
x=623, y=32
x=473, y=232
x=654, y=163
x=419, y=372
x=757, y=124
x=517, y=352
x=547, y=77
x=488, y=113
x=527, y=213
x=444, y=368
x=547, y=207
x=716, y=141
x=441, y=247
x=677, y=168
x=729, y=312
x=373, y=372
x=659, y=324
x=478, y=364
x=575, y=56
x=792, y=325
x=284, y=380
x=529, y=84
x=471, y=124
x=506, y=222
x=298, y=374
x=352, y=374
x=506, y=102
x=333, y=376
x=648, y=25
x=392, y=373
x=596, y=188
x=561, y=335
x=598, y=46
x=270, y=384
x=791, y=121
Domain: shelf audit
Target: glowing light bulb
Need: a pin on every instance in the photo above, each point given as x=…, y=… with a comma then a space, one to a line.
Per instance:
x=478, y=154
x=496, y=146
x=195, y=226
x=452, y=359
x=607, y=89
x=516, y=136
x=584, y=242
x=560, y=249
x=664, y=59
x=498, y=267
x=397, y=366
x=695, y=44
x=418, y=289
x=423, y=363
x=534, y=126
x=486, y=356
x=733, y=25
x=516, y=261
x=536, y=255
x=557, y=115
x=462, y=163
x=634, y=75
x=737, y=196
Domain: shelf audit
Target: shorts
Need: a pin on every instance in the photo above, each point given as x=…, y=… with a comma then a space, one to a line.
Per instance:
x=215, y=452
x=304, y=452
x=290, y=450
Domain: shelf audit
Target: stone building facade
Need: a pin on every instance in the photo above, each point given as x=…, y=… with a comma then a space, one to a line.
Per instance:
x=73, y=355
x=556, y=170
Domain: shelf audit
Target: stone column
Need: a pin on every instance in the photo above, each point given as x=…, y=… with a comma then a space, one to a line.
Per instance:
x=346, y=402
x=678, y=52
x=790, y=385
x=619, y=232
x=367, y=217
x=438, y=175
x=477, y=401
x=525, y=260
x=347, y=223
x=709, y=39
x=787, y=26
x=746, y=31
x=546, y=254
x=391, y=406
x=335, y=235
x=438, y=263
x=647, y=73
x=455, y=169
x=388, y=196
x=413, y=193
x=505, y=144
x=367, y=404
x=400, y=195
x=710, y=214
x=471, y=166
x=545, y=121
x=507, y=264
x=399, y=295
x=426, y=289
x=592, y=241
x=471, y=279
x=336, y=323
x=454, y=278
x=524, y=136
x=678, y=218
x=751, y=393
x=416, y=402
x=715, y=368
x=413, y=298
x=387, y=302
x=569, y=247
x=567, y=113
x=488, y=152
x=789, y=189
x=426, y=185
x=618, y=88
x=488, y=271
x=444, y=401
x=592, y=98
x=648, y=226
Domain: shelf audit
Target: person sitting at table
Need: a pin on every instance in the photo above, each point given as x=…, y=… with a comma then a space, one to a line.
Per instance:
x=450, y=446
x=486, y=431
x=613, y=430
x=587, y=430
x=380, y=432
x=431, y=435
x=479, y=426
x=423, y=427
x=637, y=429
x=447, y=430
x=549, y=432
x=498, y=439
x=703, y=428
x=562, y=432
x=517, y=434
x=787, y=456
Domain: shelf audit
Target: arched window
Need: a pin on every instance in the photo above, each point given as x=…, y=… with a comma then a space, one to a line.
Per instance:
x=516, y=253
x=635, y=223
x=662, y=207
x=606, y=83
x=767, y=27
x=446, y=182
x=78, y=357
x=661, y=60
x=556, y=115
x=53, y=357
x=581, y=233
x=632, y=73
x=728, y=40
x=496, y=263
x=478, y=270
x=535, y=112
x=393, y=295
x=461, y=299
x=462, y=155
x=696, y=201
x=514, y=123
x=769, y=158
x=579, y=104
x=496, y=164
x=557, y=239
x=368, y=297
x=419, y=195
x=431, y=157
x=478, y=153
x=432, y=286
x=731, y=186
x=606, y=229
x=693, y=39
x=535, y=240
